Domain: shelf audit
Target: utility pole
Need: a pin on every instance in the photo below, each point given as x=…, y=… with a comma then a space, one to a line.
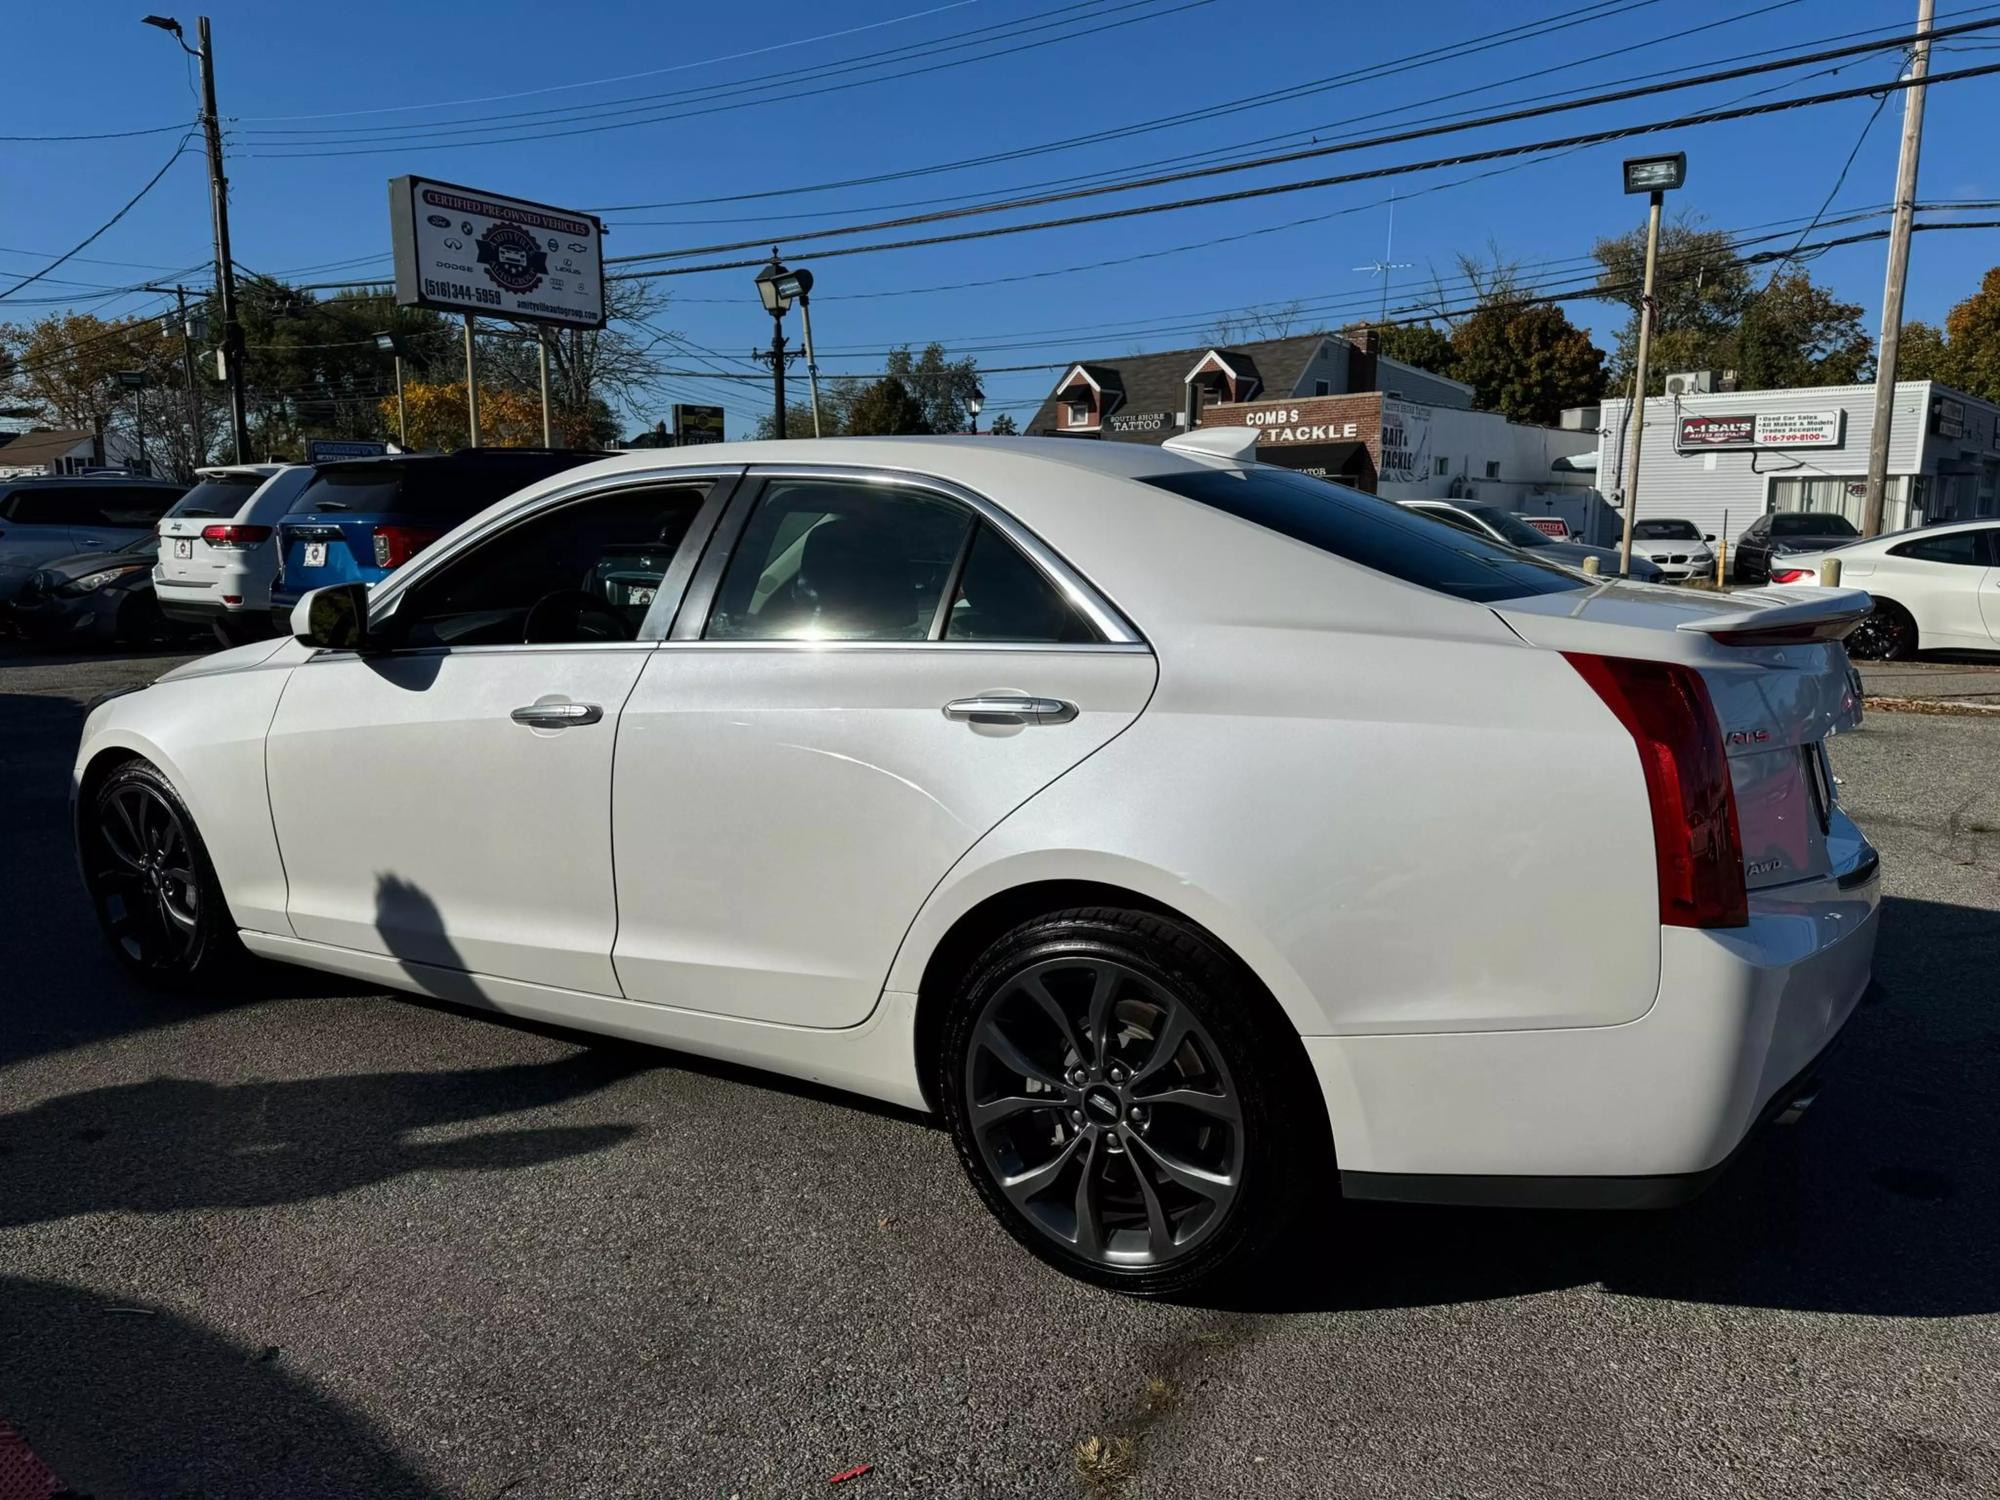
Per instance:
x=196, y=448
x=542, y=353
x=471, y=386
x=225, y=268
x=1890, y=345
x=1638, y=413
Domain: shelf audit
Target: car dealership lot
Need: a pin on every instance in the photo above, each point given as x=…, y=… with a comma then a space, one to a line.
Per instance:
x=335, y=1243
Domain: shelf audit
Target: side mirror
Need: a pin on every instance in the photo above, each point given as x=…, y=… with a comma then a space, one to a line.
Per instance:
x=334, y=618
x=1708, y=536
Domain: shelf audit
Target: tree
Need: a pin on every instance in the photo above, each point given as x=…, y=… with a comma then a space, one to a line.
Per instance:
x=1423, y=345
x=1251, y=324
x=1972, y=341
x=1003, y=426
x=1920, y=352
x=65, y=368
x=943, y=387
x=1794, y=333
x=438, y=419
x=1701, y=289
x=887, y=408
x=1526, y=360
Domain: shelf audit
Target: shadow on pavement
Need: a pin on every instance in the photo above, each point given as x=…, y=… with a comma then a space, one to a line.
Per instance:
x=173, y=1144
x=128, y=1399
x=1885, y=1201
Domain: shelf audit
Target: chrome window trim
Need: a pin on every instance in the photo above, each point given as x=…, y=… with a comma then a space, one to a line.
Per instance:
x=1085, y=648
x=384, y=597
x=537, y=648
x=1104, y=617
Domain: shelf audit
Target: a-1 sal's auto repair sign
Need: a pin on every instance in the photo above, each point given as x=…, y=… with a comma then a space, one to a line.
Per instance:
x=465, y=250
x=1698, y=433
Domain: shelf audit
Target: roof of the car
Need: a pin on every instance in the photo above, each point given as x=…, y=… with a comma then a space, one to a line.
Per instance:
x=66, y=480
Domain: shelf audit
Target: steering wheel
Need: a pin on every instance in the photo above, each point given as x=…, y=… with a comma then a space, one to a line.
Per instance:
x=573, y=615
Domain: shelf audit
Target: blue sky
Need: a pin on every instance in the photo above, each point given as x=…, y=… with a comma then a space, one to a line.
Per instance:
x=354, y=73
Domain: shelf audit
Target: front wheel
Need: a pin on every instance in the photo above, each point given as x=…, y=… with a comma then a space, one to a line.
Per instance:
x=1887, y=633
x=1127, y=1101
x=151, y=883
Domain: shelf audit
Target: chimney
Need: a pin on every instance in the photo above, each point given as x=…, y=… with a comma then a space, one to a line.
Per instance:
x=1362, y=345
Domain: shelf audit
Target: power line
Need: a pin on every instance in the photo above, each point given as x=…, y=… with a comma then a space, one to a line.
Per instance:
x=107, y=135
x=84, y=243
x=1508, y=117
x=785, y=96
x=557, y=88
x=1588, y=138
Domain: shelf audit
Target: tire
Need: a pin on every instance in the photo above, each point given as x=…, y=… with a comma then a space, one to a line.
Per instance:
x=152, y=886
x=139, y=622
x=1887, y=633
x=1070, y=1127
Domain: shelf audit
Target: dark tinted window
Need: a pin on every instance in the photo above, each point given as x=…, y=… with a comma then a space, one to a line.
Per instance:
x=40, y=508
x=1456, y=520
x=1004, y=597
x=1665, y=531
x=1513, y=530
x=1377, y=534
x=119, y=506
x=839, y=560
x=1811, y=523
x=91, y=504
x=442, y=490
x=584, y=572
x=218, y=497
x=1966, y=548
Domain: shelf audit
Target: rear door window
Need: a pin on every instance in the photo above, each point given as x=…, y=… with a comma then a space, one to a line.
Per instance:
x=39, y=507
x=1965, y=548
x=1001, y=596
x=1374, y=533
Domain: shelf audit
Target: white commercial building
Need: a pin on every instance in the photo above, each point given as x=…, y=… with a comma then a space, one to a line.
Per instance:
x=1722, y=459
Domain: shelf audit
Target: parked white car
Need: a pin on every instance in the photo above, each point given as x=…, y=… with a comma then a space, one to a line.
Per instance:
x=1130, y=806
x=1937, y=588
x=219, y=548
x=1679, y=549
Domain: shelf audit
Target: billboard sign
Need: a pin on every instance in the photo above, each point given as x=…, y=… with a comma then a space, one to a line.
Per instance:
x=1697, y=434
x=697, y=424
x=464, y=250
x=328, y=450
x=1799, y=429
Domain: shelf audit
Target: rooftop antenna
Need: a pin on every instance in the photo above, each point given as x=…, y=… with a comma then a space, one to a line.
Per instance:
x=1386, y=267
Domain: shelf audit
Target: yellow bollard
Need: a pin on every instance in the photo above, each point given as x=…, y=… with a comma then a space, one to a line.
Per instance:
x=1590, y=566
x=1721, y=563
x=1829, y=573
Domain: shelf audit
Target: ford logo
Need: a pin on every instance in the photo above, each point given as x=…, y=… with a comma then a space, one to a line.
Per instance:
x=439, y=221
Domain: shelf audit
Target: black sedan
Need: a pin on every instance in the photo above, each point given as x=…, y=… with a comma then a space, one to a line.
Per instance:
x=1786, y=531
x=94, y=599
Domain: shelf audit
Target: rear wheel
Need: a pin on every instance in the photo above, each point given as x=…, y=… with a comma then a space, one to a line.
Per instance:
x=151, y=882
x=1126, y=1100
x=139, y=622
x=1888, y=633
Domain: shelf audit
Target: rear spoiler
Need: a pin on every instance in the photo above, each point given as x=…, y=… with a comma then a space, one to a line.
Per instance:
x=1807, y=614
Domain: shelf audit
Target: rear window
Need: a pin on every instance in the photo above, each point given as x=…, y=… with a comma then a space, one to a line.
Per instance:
x=1665, y=531
x=218, y=497
x=1811, y=523
x=441, y=491
x=90, y=503
x=1377, y=534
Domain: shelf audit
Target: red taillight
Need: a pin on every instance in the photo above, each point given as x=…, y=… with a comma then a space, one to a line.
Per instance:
x=235, y=536
x=396, y=545
x=1790, y=575
x=1696, y=843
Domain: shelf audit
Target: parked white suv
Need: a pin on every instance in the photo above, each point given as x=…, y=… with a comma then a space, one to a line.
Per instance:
x=219, y=549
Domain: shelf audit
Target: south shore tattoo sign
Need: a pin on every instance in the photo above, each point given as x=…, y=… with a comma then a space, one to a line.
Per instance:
x=465, y=250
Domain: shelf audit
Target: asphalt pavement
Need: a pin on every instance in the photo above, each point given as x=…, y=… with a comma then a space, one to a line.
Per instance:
x=322, y=1242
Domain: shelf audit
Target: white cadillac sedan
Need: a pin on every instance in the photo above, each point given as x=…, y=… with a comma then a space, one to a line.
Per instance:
x=1130, y=806
x=1936, y=588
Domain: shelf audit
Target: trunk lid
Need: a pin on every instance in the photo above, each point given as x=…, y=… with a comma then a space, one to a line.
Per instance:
x=1776, y=673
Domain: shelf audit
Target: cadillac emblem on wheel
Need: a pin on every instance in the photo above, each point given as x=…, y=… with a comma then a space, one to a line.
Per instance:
x=512, y=258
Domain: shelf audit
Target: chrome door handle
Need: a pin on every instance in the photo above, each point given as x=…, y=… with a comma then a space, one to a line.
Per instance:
x=557, y=715
x=1006, y=709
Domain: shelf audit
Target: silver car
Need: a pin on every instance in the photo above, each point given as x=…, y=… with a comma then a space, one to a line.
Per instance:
x=44, y=517
x=1497, y=525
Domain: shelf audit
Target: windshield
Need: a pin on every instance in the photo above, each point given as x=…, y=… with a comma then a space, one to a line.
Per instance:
x=1516, y=532
x=218, y=497
x=1377, y=534
x=1665, y=531
x=1811, y=523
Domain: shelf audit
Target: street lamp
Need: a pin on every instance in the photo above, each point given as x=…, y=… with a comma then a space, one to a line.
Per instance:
x=1653, y=176
x=972, y=405
x=778, y=288
x=392, y=344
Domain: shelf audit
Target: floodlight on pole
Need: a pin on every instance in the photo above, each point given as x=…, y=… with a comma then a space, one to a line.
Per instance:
x=1654, y=176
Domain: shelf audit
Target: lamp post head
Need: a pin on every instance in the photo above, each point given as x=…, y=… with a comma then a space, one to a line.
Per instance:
x=779, y=287
x=1655, y=174
x=165, y=23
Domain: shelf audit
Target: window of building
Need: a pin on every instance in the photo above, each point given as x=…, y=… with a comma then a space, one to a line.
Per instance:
x=1442, y=467
x=1492, y=468
x=1322, y=388
x=1079, y=413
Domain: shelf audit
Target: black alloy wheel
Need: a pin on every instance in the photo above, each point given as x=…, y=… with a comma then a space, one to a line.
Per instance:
x=151, y=883
x=1125, y=1102
x=1886, y=633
